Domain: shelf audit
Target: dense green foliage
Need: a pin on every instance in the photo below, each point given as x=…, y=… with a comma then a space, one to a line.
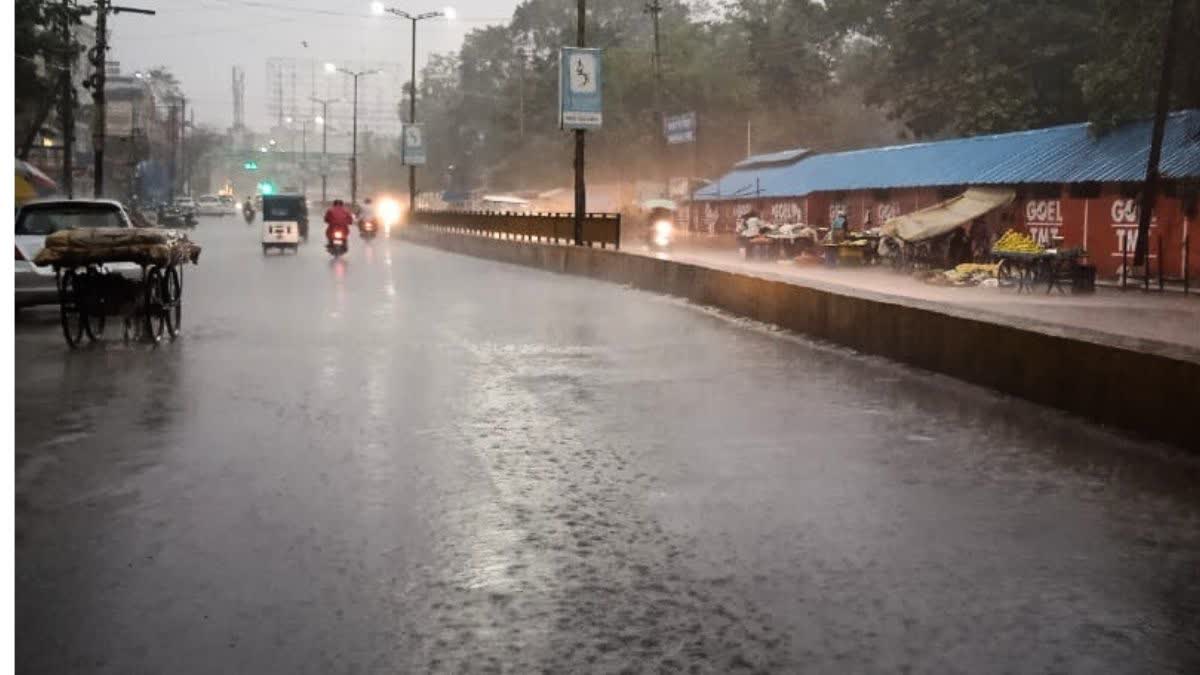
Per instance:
x=831, y=75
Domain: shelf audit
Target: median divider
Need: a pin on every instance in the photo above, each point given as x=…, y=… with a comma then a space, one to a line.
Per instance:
x=1148, y=388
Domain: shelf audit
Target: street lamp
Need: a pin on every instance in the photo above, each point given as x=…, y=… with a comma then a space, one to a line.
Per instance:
x=354, y=134
x=378, y=9
x=320, y=120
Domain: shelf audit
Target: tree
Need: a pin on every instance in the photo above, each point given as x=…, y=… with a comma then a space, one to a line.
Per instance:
x=955, y=67
x=43, y=52
x=1120, y=82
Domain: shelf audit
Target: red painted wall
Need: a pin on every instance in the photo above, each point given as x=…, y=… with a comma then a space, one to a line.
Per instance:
x=1104, y=225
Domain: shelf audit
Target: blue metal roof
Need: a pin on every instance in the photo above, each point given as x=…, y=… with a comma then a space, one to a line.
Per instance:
x=781, y=157
x=1064, y=154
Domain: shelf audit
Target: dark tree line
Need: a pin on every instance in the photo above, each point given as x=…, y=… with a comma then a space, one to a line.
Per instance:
x=786, y=73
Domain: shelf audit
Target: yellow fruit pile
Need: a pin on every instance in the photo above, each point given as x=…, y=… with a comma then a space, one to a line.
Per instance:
x=967, y=269
x=970, y=274
x=1015, y=242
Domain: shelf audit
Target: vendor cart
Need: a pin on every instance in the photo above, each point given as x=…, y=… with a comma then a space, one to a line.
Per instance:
x=1027, y=270
x=150, y=305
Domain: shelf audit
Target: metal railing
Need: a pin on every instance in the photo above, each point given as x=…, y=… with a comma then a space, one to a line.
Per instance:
x=602, y=229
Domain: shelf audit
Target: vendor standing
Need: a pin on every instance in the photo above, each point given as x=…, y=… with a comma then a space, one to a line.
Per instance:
x=837, y=228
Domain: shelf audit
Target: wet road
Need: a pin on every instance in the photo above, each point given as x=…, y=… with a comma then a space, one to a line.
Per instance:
x=412, y=461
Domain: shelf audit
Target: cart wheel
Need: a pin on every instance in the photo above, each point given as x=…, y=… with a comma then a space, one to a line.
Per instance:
x=95, y=314
x=154, y=314
x=70, y=308
x=173, y=300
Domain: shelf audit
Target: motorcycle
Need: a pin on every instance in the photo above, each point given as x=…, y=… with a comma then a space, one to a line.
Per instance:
x=248, y=213
x=337, y=245
x=368, y=228
x=661, y=231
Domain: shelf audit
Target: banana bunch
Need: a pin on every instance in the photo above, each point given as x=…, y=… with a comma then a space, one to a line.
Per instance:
x=1015, y=242
x=968, y=269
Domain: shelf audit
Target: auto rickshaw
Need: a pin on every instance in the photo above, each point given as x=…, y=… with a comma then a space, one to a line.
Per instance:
x=285, y=221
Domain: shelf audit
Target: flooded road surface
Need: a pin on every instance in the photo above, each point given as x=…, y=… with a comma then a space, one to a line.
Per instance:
x=411, y=461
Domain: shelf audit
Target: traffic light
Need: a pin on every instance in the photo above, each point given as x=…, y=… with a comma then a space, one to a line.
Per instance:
x=250, y=165
x=266, y=187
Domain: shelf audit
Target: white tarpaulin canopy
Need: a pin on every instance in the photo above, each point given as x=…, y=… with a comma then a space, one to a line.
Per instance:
x=942, y=218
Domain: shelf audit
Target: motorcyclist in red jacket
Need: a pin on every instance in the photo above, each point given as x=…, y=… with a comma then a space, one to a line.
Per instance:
x=338, y=217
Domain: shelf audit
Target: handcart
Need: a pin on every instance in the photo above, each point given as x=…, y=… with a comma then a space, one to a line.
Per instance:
x=150, y=304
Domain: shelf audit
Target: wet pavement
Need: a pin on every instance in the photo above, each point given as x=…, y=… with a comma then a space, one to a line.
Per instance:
x=1130, y=318
x=412, y=461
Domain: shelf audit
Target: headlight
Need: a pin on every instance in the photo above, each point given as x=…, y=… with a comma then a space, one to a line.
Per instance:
x=663, y=229
x=388, y=211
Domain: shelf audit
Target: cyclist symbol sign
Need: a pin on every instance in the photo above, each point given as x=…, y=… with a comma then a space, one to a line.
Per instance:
x=413, y=150
x=579, y=88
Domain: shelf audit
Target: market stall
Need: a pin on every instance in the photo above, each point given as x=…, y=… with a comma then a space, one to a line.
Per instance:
x=934, y=236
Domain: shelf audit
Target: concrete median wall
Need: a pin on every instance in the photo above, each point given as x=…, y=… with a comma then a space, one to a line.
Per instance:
x=1147, y=388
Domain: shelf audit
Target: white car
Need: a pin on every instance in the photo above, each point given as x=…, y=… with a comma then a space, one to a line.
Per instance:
x=211, y=205
x=37, y=285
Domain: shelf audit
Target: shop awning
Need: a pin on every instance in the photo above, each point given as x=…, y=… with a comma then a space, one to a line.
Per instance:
x=941, y=218
x=31, y=183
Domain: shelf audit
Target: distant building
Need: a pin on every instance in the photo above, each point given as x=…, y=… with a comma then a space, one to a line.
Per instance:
x=293, y=83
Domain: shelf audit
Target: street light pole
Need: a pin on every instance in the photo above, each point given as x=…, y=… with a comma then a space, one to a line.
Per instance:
x=378, y=8
x=354, y=133
x=354, y=147
x=324, y=143
x=412, y=119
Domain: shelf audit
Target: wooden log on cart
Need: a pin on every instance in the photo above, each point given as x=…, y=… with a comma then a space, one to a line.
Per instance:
x=81, y=247
x=151, y=307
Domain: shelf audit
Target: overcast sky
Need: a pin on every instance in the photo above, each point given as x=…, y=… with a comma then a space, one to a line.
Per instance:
x=200, y=41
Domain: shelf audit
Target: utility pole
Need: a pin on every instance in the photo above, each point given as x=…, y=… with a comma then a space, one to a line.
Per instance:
x=66, y=114
x=521, y=96
x=654, y=8
x=173, y=125
x=100, y=118
x=183, y=156
x=1150, y=190
x=580, y=188
x=99, y=58
x=187, y=158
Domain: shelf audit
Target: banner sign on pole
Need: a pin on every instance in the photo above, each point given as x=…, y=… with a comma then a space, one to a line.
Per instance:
x=412, y=152
x=680, y=128
x=579, y=86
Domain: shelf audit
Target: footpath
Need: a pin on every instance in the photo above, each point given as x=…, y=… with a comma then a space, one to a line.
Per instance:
x=1157, y=322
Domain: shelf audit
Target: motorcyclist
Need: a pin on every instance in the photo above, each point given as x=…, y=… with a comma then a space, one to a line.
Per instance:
x=366, y=212
x=338, y=218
